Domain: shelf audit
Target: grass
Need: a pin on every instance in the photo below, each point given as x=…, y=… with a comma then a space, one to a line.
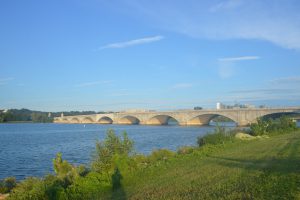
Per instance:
x=258, y=169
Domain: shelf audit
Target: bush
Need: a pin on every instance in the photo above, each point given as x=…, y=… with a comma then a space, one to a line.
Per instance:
x=219, y=136
x=281, y=125
x=160, y=155
x=30, y=188
x=76, y=182
x=259, y=128
x=185, y=150
x=7, y=184
x=66, y=172
x=140, y=161
x=110, y=151
x=92, y=186
x=51, y=186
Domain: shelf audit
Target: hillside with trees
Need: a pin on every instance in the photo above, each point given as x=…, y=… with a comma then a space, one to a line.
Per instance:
x=26, y=115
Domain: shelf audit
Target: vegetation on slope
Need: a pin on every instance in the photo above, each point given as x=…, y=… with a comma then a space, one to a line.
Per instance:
x=273, y=126
x=25, y=115
x=222, y=167
x=259, y=169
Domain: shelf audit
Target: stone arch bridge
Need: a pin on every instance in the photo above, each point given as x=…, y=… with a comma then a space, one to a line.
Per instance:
x=242, y=117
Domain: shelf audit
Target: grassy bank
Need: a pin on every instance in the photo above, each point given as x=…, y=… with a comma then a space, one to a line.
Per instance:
x=259, y=169
x=226, y=165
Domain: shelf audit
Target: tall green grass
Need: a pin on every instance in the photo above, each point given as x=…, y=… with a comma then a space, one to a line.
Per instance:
x=219, y=136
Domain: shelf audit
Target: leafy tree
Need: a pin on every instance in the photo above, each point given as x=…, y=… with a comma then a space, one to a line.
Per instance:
x=266, y=126
x=259, y=128
x=1, y=117
x=112, y=150
x=67, y=172
x=40, y=117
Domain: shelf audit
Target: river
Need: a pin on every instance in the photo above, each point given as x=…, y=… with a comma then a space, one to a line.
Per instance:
x=27, y=149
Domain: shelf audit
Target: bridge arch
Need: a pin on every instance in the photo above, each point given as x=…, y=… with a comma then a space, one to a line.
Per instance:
x=205, y=119
x=75, y=120
x=128, y=119
x=87, y=120
x=277, y=114
x=105, y=120
x=64, y=120
x=163, y=120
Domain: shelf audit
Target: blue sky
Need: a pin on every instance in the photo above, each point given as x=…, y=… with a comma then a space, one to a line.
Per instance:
x=114, y=55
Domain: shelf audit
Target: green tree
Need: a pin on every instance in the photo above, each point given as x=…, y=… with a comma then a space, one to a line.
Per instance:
x=67, y=172
x=1, y=117
x=40, y=117
x=260, y=128
x=111, y=151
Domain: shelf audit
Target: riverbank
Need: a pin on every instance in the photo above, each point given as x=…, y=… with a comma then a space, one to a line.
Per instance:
x=227, y=165
x=267, y=168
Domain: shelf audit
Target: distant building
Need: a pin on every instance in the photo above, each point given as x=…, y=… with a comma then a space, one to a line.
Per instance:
x=220, y=106
x=136, y=110
x=198, y=108
x=235, y=106
x=249, y=106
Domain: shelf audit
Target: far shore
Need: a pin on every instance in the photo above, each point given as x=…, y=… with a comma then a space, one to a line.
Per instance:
x=22, y=122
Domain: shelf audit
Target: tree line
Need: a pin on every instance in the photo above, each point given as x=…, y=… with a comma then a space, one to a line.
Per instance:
x=26, y=115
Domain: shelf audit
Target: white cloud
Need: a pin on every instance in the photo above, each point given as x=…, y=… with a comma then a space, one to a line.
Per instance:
x=93, y=83
x=266, y=94
x=232, y=19
x=227, y=65
x=133, y=42
x=182, y=86
x=232, y=59
x=286, y=80
x=264, y=91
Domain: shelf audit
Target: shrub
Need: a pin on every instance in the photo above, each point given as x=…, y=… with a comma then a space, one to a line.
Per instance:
x=185, y=150
x=92, y=186
x=160, y=155
x=259, y=128
x=30, y=188
x=51, y=186
x=54, y=187
x=281, y=125
x=7, y=184
x=140, y=161
x=76, y=182
x=33, y=188
x=113, y=152
x=219, y=136
x=66, y=172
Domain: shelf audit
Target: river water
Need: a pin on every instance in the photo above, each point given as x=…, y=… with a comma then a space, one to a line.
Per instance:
x=28, y=149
